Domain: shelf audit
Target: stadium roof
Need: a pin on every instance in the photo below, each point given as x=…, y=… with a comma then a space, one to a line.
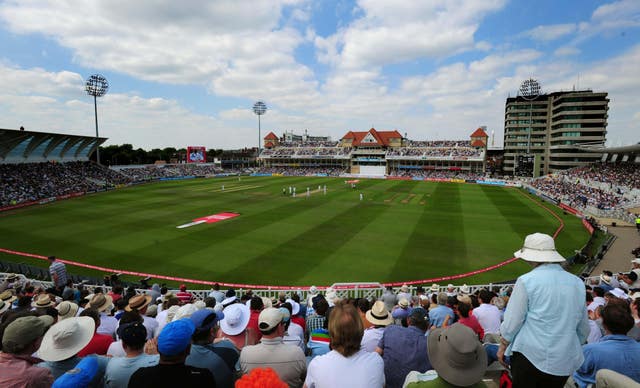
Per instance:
x=634, y=148
x=372, y=137
x=19, y=146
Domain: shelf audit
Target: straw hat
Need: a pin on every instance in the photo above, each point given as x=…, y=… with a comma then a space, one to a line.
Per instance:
x=7, y=296
x=138, y=302
x=403, y=303
x=66, y=338
x=404, y=288
x=66, y=310
x=42, y=301
x=236, y=319
x=457, y=355
x=539, y=248
x=379, y=315
x=464, y=289
x=434, y=287
x=100, y=302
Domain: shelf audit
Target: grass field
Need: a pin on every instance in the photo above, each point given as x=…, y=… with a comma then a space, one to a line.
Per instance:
x=402, y=230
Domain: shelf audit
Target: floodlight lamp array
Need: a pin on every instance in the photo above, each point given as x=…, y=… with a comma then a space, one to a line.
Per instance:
x=96, y=85
x=259, y=108
x=530, y=89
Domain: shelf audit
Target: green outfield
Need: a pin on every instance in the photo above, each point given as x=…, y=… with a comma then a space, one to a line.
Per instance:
x=400, y=231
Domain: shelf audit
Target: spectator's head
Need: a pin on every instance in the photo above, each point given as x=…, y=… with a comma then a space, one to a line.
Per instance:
x=236, y=319
x=464, y=309
x=418, y=318
x=630, y=277
x=209, y=302
x=206, y=325
x=616, y=317
x=539, y=249
x=66, y=310
x=345, y=329
x=379, y=315
x=51, y=259
x=321, y=306
x=295, y=306
x=133, y=335
x=42, y=301
x=270, y=322
x=364, y=305
x=598, y=291
x=93, y=314
x=457, y=355
x=100, y=302
x=174, y=342
x=66, y=338
x=442, y=298
x=256, y=303
x=484, y=296
x=139, y=303
x=24, y=334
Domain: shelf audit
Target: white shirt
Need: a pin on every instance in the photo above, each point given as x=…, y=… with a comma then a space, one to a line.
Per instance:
x=296, y=330
x=489, y=317
x=597, y=301
x=151, y=325
x=370, y=338
x=363, y=369
x=108, y=325
x=161, y=318
x=116, y=349
x=594, y=332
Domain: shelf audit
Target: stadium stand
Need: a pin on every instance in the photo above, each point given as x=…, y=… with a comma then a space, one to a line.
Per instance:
x=601, y=189
x=18, y=291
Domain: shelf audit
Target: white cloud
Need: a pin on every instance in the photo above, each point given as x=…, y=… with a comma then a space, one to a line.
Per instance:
x=551, y=32
x=399, y=31
x=566, y=51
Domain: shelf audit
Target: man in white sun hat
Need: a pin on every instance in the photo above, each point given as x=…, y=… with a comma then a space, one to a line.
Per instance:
x=546, y=319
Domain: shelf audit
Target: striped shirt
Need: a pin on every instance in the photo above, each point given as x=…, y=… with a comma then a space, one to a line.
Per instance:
x=58, y=269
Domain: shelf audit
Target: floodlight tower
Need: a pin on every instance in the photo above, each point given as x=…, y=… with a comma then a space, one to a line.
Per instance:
x=96, y=86
x=259, y=108
x=530, y=90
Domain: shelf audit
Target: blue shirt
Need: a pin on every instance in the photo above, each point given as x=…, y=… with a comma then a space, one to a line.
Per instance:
x=546, y=319
x=120, y=369
x=616, y=352
x=404, y=350
x=438, y=314
x=202, y=357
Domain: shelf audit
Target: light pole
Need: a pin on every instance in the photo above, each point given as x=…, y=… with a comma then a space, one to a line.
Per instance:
x=96, y=86
x=529, y=90
x=259, y=108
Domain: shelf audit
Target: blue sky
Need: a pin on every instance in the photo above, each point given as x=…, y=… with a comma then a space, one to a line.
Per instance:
x=187, y=73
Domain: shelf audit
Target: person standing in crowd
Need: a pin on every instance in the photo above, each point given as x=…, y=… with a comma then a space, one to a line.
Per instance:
x=546, y=319
x=58, y=273
x=379, y=318
x=439, y=314
x=347, y=364
x=184, y=295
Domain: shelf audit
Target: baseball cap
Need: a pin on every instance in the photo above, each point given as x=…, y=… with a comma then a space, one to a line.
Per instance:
x=418, y=315
x=24, y=331
x=203, y=320
x=269, y=318
x=175, y=337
